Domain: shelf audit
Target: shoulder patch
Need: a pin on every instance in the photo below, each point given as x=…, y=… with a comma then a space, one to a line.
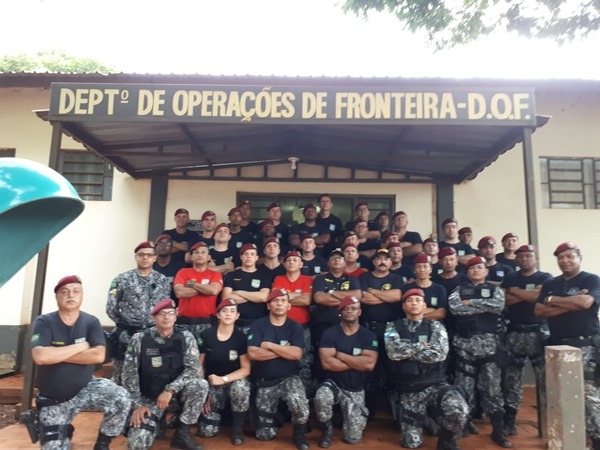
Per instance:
x=375, y=343
x=114, y=284
x=250, y=336
x=35, y=337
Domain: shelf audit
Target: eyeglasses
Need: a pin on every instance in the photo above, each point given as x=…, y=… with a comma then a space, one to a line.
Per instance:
x=167, y=313
x=164, y=244
x=145, y=255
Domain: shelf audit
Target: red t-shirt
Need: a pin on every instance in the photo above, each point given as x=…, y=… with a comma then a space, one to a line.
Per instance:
x=198, y=306
x=356, y=273
x=300, y=314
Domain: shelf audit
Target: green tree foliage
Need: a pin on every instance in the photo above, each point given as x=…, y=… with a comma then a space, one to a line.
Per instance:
x=53, y=61
x=454, y=22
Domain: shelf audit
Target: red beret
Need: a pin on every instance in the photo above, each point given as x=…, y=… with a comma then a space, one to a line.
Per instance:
x=162, y=237
x=465, y=230
x=358, y=222
x=66, y=280
x=218, y=227
x=448, y=221
x=304, y=236
x=446, y=251
x=225, y=303
x=348, y=300
x=308, y=206
x=345, y=246
x=508, y=236
x=269, y=240
x=382, y=213
x=429, y=241
x=564, y=247
x=233, y=211
x=145, y=244
x=386, y=235
x=207, y=214
x=277, y=292
x=421, y=258
x=198, y=245
x=347, y=234
x=264, y=223
x=321, y=197
x=182, y=210
x=526, y=249
x=486, y=241
x=247, y=247
x=245, y=202
x=165, y=303
x=398, y=213
x=474, y=261
x=413, y=291
x=359, y=204
x=292, y=253
x=273, y=205
x=394, y=244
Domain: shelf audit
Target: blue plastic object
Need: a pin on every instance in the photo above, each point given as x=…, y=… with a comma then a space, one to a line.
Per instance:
x=36, y=203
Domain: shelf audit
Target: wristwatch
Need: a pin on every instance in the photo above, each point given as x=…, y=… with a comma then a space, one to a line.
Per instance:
x=548, y=300
x=225, y=379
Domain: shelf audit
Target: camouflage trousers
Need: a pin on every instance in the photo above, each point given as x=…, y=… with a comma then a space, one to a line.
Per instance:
x=591, y=393
x=522, y=346
x=352, y=404
x=192, y=398
x=238, y=393
x=477, y=368
x=195, y=329
x=291, y=391
x=306, y=363
x=450, y=410
x=100, y=394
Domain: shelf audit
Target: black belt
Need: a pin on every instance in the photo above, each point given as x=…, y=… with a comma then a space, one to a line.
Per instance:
x=193, y=320
x=375, y=324
x=262, y=382
x=524, y=328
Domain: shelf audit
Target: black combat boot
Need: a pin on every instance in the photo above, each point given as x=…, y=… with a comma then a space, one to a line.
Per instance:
x=103, y=442
x=510, y=421
x=182, y=438
x=326, y=435
x=298, y=437
x=237, y=427
x=498, y=435
x=447, y=440
x=596, y=444
x=430, y=427
x=470, y=428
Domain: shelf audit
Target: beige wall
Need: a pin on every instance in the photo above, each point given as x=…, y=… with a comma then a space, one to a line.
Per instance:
x=99, y=244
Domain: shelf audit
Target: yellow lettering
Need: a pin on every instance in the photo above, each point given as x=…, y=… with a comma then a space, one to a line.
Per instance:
x=66, y=101
x=447, y=107
x=520, y=101
x=430, y=105
x=383, y=109
x=476, y=106
x=286, y=101
x=501, y=106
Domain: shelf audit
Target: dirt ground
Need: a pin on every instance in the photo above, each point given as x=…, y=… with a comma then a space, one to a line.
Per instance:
x=7, y=415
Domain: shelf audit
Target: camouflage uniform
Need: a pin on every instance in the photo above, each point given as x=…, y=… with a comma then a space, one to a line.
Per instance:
x=238, y=393
x=99, y=394
x=479, y=346
x=423, y=385
x=189, y=388
x=130, y=300
x=291, y=391
x=306, y=363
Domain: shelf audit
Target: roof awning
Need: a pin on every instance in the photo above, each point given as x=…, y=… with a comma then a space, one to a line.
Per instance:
x=425, y=133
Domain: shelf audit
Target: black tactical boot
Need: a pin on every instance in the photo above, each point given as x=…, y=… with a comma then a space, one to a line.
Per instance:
x=470, y=428
x=326, y=435
x=447, y=440
x=237, y=427
x=298, y=436
x=510, y=421
x=430, y=427
x=498, y=435
x=103, y=442
x=182, y=438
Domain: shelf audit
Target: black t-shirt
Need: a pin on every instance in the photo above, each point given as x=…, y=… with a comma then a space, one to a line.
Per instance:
x=371, y=224
x=450, y=283
x=508, y=262
x=353, y=345
x=364, y=262
x=314, y=231
x=282, y=232
x=498, y=271
x=222, y=357
x=238, y=280
x=236, y=243
x=405, y=272
x=369, y=244
x=522, y=313
x=272, y=273
x=315, y=266
x=573, y=323
x=220, y=257
x=252, y=229
x=63, y=381
x=413, y=238
x=186, y=238
x=386, y=312
x=325, y=283
x=290, y=333
x=461, y=249
x=210, y=242
x=169, y=271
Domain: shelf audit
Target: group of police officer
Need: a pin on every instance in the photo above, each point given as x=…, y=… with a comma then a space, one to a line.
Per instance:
x=253, y=347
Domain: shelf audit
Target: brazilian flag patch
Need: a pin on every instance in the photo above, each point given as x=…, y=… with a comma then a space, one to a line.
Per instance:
x=375, y=343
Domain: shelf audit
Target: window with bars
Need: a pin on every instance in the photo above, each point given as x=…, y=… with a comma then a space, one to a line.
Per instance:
x=292, y=205
x=91, y=176
x=571, y=183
